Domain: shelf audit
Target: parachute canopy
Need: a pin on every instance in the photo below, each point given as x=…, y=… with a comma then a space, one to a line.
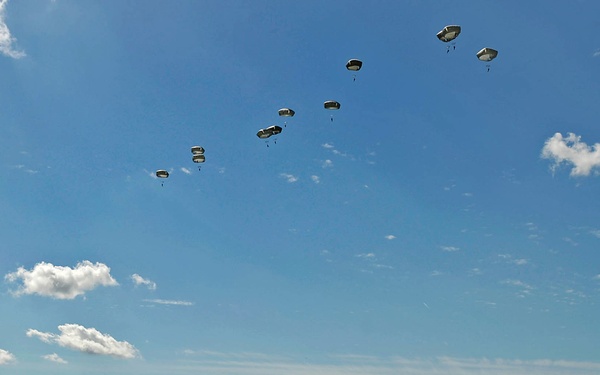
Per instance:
x=487, y=54
x=198, y=158
x=354, y=64
x=161, y=173
x=448, y=33
x=267, y=132
x=287, y=112
x=331, y=104
x=197, y=150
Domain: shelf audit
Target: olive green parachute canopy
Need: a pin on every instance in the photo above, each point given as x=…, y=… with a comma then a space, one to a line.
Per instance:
x=198, y=158
x=354, y=64
x=197, y=150
x=331, y=104
x=161, y=173
x=448, y=33
x=487, y=54
x=267, y=132
x=287, y=112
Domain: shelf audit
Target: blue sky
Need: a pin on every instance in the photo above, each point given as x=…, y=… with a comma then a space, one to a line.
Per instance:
x=445, y=221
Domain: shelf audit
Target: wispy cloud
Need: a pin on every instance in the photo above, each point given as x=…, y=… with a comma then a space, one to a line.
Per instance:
x=571, y=150
x=315, y=179
x=6, y=40
x=390, y=237
x=449, y=249
x=54, y=358
x=86, y=340
x=288, y=177
x=525, y=289
x=185, y=170
x=48, y=280
x=327, y=164
x=169, y=302
x=138, y=280
x=597, y=53
x=6, y=357
x=354, y=364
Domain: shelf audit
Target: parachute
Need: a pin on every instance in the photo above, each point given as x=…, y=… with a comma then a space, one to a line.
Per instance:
x=286, y=112
x=332, y=105
x=161, y=173
x=487, y=55
x=198, y=158
x=448, y=34
x=197, y=150
x=354, y=65
x=267, y=132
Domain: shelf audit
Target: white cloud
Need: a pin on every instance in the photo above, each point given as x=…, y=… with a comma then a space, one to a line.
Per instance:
x=87, y=340
x=315, y=179
x=289, y=177
x=327, y=145
x=327, y=164
x=597, y=53
x=138, y=280
x=390, y=237
x=169, y=302
x=449, y=249
x=597, y=277
x=60, y=282
x=185, y=170
x=6, y=357
x=571, y=150
x=54, y=358
x=595, y=232
x=6, y=40
x=366, y=255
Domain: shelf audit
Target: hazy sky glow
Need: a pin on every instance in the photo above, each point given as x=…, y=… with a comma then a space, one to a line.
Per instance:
x=445, y=220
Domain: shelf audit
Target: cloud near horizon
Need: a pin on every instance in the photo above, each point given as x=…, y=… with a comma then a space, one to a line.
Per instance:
x=54, y=358
x=570, y=150
x=86, y=340
x=6, y=357
x=6, y=40
x=58, y=282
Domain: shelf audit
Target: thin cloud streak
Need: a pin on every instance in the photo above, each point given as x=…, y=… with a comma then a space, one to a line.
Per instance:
x=169, y=302
x=367, y=365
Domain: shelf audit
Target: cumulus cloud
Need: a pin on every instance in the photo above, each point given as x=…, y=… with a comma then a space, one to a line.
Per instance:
x=138, y=280
x=169, y=302
x=54, y=358
x=390, y=237
x=6, y=357
x=48, y=280
x=289, y=177
x=327, y=164
x=6, y=40
x=315, y=179
x=86, y=340
x=571, y=150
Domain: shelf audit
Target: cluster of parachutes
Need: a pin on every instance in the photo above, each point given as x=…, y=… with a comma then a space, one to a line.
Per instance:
x=352, y=64
x=449, y=33
x=197, y=157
